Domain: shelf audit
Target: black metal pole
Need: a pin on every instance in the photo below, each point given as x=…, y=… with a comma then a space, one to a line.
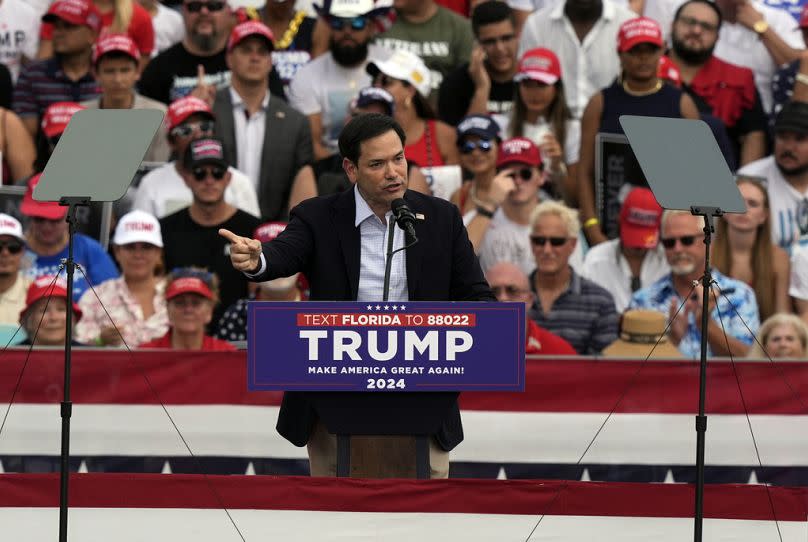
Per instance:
x=67, y=405
x=701, y=418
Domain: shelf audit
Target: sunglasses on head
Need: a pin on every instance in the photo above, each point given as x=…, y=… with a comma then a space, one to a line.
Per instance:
x=185, y=130
x=468, y=146
x=339, y=23
x=686, y=240
x=196, y=6
x=540, y=240
x=13, y=247
x=201, y=173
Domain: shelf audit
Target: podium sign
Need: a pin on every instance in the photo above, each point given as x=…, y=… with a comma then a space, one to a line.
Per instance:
x=355, y=346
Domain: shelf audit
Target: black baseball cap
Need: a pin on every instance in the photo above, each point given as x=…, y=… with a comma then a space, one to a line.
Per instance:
x=206, y=150
x=793, y=117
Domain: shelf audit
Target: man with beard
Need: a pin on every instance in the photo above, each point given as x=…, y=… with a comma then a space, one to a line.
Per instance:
x=682, y=235
x=582, y=34
x=786, y=171
x=725, y=90
x=265, y=138
x=322, y=89
x=484, y=85
x=197, y=64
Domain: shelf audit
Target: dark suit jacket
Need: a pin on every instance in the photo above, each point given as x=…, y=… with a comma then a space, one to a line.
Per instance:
x=287, y=148
x=322, y=242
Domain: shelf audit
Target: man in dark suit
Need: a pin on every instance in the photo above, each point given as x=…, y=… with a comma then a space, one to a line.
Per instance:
x=262, y=135
x=337, y=242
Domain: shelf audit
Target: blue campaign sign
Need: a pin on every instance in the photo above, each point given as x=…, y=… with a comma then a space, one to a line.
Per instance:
x=416, y=346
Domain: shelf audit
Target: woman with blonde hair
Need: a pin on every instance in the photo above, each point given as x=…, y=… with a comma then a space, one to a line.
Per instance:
x=782, y=335
x=743, y=250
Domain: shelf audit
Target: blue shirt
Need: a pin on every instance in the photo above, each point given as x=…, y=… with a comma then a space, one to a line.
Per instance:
x=87, y=252
x=658, y=297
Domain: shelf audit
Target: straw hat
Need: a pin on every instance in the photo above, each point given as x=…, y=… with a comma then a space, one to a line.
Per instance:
x=640, y=331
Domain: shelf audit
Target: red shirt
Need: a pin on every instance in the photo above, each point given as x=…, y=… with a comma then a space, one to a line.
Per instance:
x=727, y=88
x=425, y=151
x=209, y=344
x=461, y=7
x=140, y=28
x=541, y=341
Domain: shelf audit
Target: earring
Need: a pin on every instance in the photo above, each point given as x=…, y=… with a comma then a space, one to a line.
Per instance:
x=408, y=101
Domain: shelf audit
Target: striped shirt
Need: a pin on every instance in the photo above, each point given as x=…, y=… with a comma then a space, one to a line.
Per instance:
x=43, y=83
x=583, y=315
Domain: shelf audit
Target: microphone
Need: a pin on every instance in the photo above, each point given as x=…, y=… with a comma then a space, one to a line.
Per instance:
x=405, y=218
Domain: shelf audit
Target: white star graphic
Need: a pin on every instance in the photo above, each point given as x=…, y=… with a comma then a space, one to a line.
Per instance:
x=387, y=307
x=395, y=307
x=370, y=307
x=378, y=307
x=401, y=307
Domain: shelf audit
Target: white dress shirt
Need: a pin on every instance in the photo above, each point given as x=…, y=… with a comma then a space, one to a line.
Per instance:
x=373, y=235
x=585, y=67
x=249, y=136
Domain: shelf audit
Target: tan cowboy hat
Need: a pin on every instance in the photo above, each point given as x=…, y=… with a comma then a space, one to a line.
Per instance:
x=639, y=333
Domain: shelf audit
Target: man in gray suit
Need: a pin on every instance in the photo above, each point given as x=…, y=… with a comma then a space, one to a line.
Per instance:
x=262, y=135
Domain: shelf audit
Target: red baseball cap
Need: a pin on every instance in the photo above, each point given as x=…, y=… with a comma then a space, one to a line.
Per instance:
x=538, y=65
x=669, y=71
x=804, y=17
x=188, y=285
x=636, y=31
x=268, y=231
x=250, y=28
x=181, y=109
x=57, y=116
x=79, y=12
x=46, y=286
x=40, y=209
x=115, y=43
x=519, y=150
x=640, y=217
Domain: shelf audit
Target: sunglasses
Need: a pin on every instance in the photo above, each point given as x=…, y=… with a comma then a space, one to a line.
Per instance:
x=201, y=173
x=13, y=247
x=467, y=147
x=339, y=23
x=686, y=240
x=509, y=289
x=185, y=130
x=540, y=241
x=525, y=174
x=196, y=7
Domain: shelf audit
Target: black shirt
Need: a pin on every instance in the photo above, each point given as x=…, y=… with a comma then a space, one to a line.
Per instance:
x=189, y=244
x=457, y=90
x=173, y=74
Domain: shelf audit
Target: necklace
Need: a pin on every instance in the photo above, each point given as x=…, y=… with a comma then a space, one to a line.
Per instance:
x=291, y=32
x=643, y=92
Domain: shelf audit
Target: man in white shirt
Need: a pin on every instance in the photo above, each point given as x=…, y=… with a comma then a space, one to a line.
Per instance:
x=323, y=89
x=263, y=136
x=582, y=33
x=19, y=34
x=786, y=172
x=162, y=191
x=634, y=260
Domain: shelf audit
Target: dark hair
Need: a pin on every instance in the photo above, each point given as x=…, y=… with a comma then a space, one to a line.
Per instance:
x=490, y=12
x=707, y=3
x=558, y=113
x=366, y=127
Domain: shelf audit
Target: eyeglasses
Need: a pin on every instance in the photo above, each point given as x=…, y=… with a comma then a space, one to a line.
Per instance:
x=196, y=7
x=510, y=289
x=488, y=42
x=686, y=240
x=356, y=23
x=186, y=130
x=13, y=247
x=691, y=22
x=467, y=147
x=540, y=241
x=201, y=173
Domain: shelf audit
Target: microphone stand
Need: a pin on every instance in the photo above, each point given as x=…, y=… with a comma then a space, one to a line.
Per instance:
x=67, y=406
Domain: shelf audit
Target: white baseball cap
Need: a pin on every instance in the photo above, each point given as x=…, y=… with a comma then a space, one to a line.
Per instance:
x=138, y=227
x=11, y=226
x=405, y=66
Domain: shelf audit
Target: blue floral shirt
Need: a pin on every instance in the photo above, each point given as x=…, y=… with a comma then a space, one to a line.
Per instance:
x=658, y=297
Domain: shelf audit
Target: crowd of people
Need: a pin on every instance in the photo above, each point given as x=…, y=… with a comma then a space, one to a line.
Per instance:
x=501, y=103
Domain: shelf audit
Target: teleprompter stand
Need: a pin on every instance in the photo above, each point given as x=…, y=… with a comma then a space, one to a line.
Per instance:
x=95, y=160
x=686, y=171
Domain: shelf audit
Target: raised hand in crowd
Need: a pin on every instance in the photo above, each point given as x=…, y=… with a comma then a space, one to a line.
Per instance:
x=202, y=90
x=245, y=253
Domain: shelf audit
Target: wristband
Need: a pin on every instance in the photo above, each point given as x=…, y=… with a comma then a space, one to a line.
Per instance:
x=482, y=211
x=591, y=222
